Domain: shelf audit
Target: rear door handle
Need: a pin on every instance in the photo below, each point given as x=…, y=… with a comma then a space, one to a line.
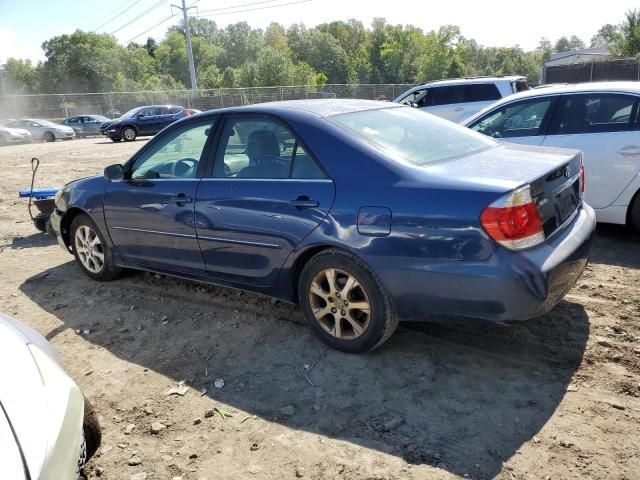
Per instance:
x=630, y=151
x=181, y=198
x=304, y=202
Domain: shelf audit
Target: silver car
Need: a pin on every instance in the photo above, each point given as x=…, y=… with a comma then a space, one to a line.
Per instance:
x=9, y=136
x=48, y=429
x=85, y=125
x=458, y=98
x=43, y=130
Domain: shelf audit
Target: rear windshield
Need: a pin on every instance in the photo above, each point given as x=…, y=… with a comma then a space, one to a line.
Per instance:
x=408, y=134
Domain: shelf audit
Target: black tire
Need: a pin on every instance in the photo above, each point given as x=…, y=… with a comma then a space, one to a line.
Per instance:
x=382, y=318
x=108, y=271
x=48, y=137
x=129, y=134
x=115, y=139
x=634, y=214
x=91, y=429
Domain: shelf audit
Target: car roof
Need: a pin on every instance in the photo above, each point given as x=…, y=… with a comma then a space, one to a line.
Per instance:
x=463, y=81
x=559, y=89
x=620, y=87
x=319, y=107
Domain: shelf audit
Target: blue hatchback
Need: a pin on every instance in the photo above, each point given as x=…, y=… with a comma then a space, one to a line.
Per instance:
x=362, y=212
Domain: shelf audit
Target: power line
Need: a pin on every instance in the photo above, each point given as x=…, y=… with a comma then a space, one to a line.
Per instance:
x=238, y=6
x=258, y=8
x=154, y=6
x=151, y=28
x=118, y=15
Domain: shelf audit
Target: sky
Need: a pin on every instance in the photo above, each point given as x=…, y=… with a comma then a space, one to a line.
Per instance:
x=25, y=24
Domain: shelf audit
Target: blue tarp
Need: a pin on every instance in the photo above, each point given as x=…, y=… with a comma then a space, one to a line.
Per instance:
x=39, y=193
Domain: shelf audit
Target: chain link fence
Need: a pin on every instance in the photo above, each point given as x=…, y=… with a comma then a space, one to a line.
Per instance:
x=113, y=104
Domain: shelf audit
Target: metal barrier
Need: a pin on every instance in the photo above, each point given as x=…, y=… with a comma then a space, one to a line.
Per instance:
x=113, y=104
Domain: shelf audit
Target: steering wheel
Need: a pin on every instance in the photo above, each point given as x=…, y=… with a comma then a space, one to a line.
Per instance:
x=182, y=166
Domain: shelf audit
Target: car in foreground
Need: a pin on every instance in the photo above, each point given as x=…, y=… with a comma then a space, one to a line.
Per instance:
x=142, y=121
x=85, y=125
x=10, y=136
x=458, y=98
x=363, y=212
x=600, y=119
x=48, y=429
x=43, y=130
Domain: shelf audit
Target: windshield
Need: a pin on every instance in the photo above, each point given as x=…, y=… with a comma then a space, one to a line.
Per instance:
x=44, y=122
x=131, y=112
x=410, y=135
x=100, y=118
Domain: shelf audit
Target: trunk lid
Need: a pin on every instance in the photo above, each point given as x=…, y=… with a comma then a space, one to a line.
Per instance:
x=552, y=173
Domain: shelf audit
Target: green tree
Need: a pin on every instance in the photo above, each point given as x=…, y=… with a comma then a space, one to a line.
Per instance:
x=608, y=36
x=275, y=36
x=273, y=68
x=20, y=77
x=627, y=44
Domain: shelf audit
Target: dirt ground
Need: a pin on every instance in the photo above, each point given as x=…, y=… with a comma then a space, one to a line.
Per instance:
x=554, y=398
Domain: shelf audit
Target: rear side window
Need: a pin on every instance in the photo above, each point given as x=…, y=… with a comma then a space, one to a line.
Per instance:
x=481, y=92
x=175, y=110
x=445, y=95
x=595, y=113
x=518, y=119
x=262, y=148
x=164, y=111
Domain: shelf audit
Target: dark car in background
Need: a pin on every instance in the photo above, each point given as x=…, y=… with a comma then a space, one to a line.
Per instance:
x=85, y=125
x=142, y=121
x=362, y=212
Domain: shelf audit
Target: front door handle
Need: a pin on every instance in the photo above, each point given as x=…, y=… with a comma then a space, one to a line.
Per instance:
x=181, y=198
x=630, y=151
x=304, y=202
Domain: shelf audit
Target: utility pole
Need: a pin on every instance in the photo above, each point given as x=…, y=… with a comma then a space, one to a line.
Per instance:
x=192, y=68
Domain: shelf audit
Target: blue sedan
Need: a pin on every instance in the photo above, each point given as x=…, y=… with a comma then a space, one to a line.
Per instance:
x=362, y=212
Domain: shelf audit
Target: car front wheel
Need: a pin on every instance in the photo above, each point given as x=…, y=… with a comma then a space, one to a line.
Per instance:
x=345, y=303
x=49, y=137
x=91, y=251
x=129, y=134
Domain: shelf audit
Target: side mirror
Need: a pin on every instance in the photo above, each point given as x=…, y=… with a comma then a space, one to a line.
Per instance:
x=114, y=173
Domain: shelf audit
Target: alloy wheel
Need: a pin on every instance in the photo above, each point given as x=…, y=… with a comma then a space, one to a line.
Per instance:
x=129, y=134
x=340, y=303
x=89, y=249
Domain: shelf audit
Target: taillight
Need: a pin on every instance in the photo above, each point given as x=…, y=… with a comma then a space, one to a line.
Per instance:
x=513, y=220
x=581, y=175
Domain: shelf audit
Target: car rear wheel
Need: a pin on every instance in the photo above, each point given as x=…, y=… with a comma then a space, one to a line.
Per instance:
x=129, y=134
x=49, y=137
x=345, y=303
x=91, y=251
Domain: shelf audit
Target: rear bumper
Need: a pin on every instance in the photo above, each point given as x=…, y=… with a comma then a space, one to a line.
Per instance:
x=510, y=286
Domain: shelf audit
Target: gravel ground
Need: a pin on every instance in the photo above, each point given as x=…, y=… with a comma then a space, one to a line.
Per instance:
x=556, y=397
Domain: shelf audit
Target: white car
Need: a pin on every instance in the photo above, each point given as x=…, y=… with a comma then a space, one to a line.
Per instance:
x=43, y=129
x=458, y=98
x=14, y=135
x=601, y=119
x=47, y=428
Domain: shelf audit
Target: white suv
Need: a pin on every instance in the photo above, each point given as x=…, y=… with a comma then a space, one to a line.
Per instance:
x=459, y=98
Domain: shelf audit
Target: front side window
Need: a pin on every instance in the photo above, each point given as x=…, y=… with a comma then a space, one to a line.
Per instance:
x=520, y=119
x=262, y=148
x=177, y=156
x=148, y=112
x=74, y=120
x=409, y=135
x=415, y=98
x=594, y=113
x=445, y=95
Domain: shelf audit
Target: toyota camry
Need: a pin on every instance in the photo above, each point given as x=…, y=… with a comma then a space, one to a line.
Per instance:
x=362, y=212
